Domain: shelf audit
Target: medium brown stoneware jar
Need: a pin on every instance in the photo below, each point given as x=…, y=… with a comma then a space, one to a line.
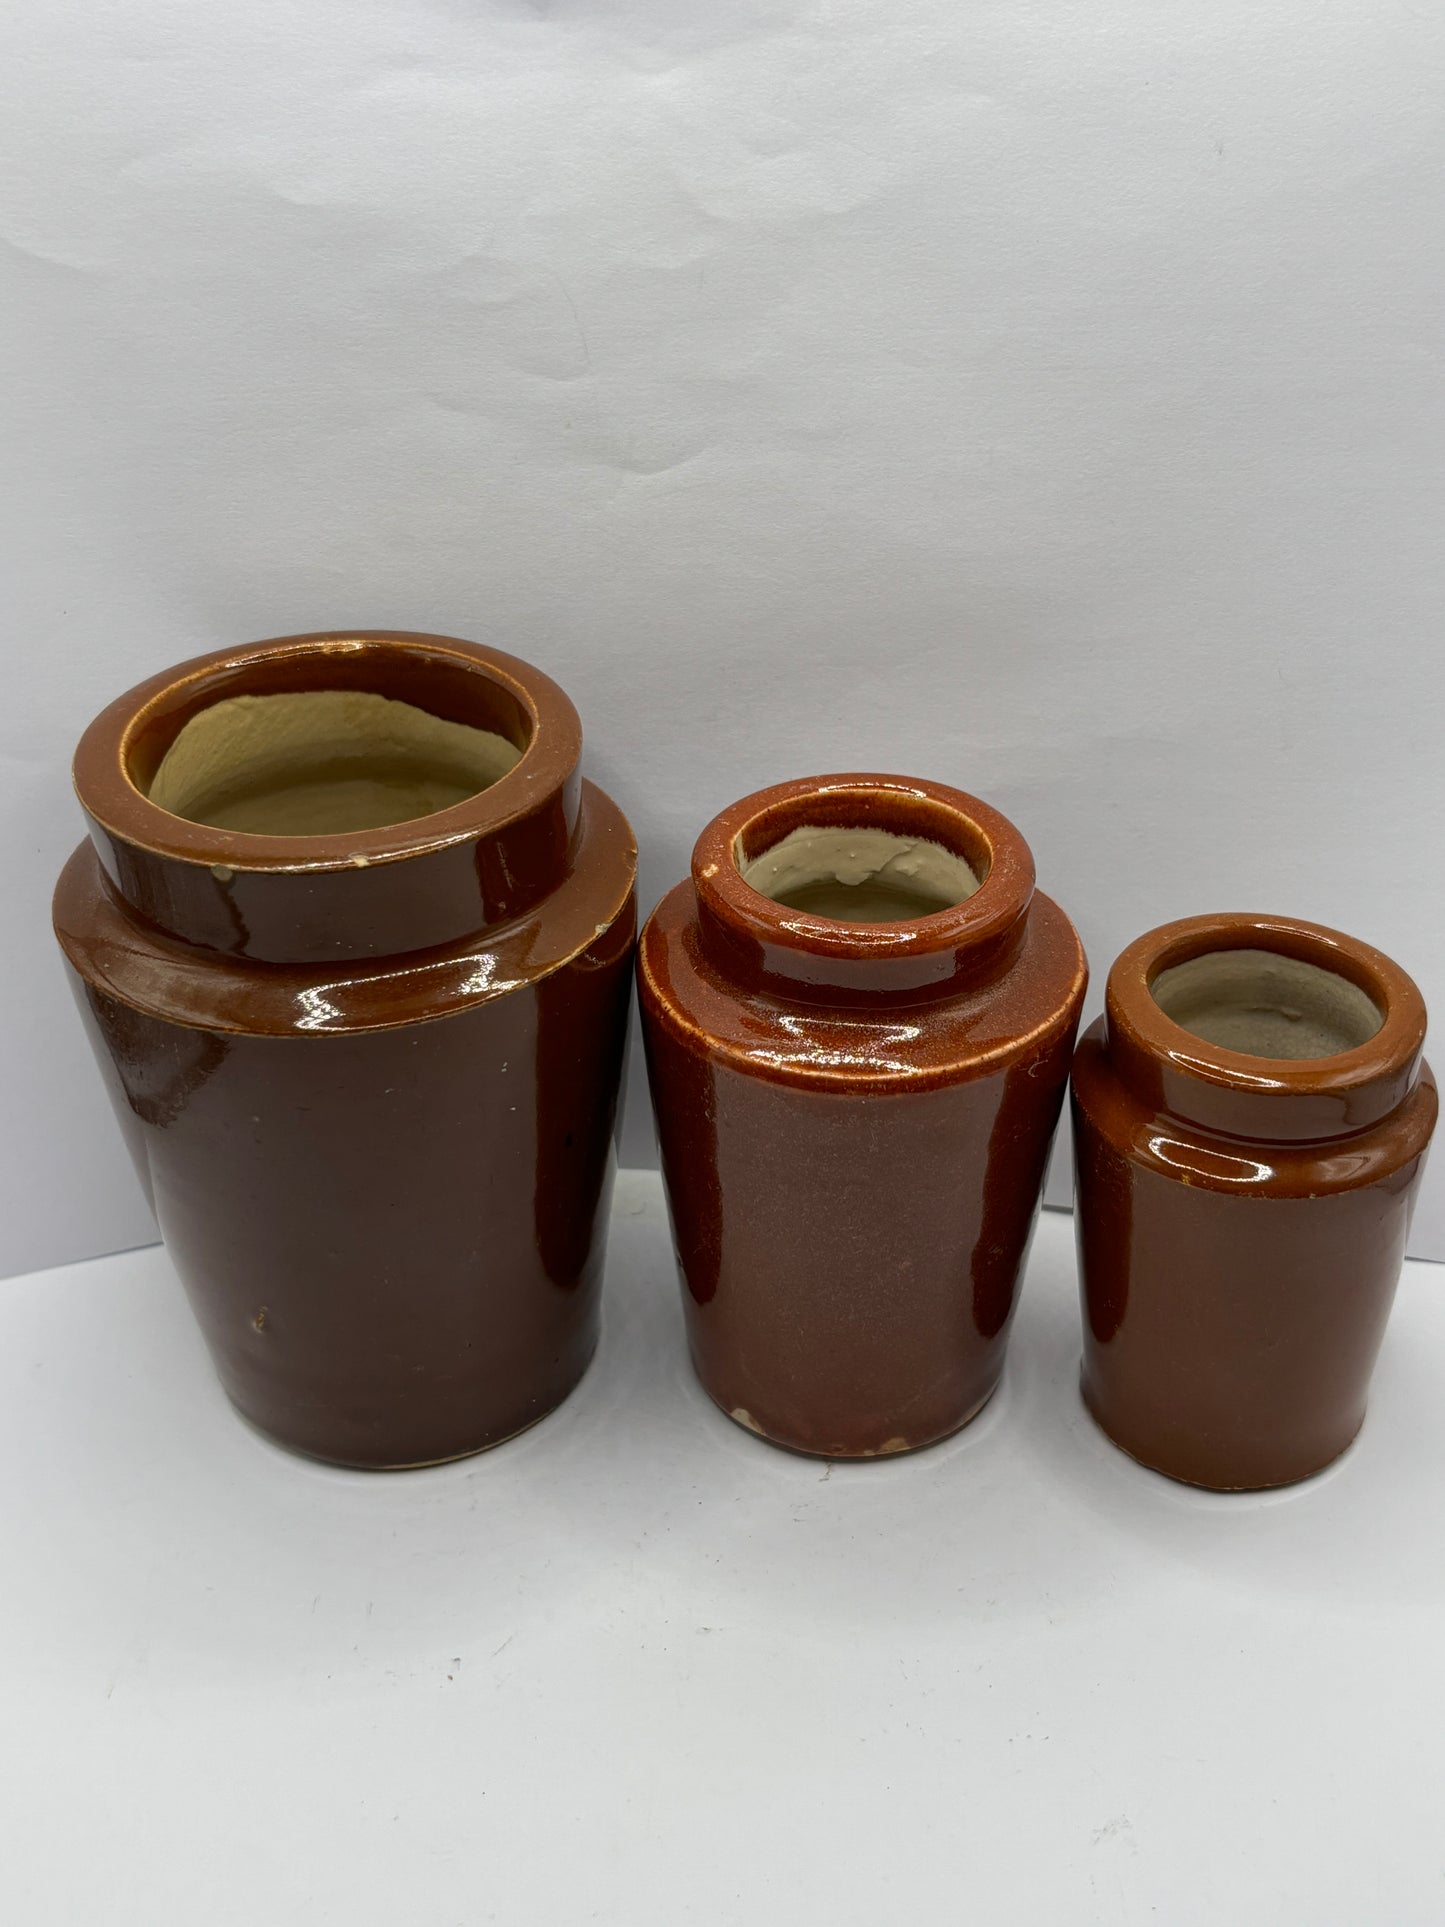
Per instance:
x=351, y=938
x=858, y=1019
x=1251, y=1116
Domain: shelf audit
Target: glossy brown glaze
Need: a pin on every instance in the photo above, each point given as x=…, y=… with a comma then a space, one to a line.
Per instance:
x=368, y=1081
x=855, y=1119
x=1242, y=1219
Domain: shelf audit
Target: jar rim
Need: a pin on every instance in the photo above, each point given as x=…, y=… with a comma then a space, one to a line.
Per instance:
x=141, y=724
x=1224, y=1088
x=824, y=954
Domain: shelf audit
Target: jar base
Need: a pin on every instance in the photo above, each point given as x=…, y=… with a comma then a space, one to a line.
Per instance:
x=408, y=1465
x=899, y=1449
x=1271, y=1483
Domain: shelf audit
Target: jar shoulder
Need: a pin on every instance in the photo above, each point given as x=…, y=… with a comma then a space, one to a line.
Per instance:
x=592, y=913
x=1019, y=1015
x=1109, y=1115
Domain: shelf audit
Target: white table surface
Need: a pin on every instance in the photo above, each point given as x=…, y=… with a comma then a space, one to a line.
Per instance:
x=639, y=1667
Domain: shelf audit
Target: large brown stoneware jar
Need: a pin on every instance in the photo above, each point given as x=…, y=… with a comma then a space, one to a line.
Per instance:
x=859, y=1017
x=351, y=938
x=1251, y=1116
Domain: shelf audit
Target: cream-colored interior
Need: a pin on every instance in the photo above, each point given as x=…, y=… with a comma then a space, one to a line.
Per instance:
x=860, y=875
x=1266, y=1005
x=321, y=762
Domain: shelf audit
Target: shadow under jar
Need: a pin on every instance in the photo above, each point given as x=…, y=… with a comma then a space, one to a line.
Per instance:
x=858, y=1017
x=352, y=938
x=1251, y=1116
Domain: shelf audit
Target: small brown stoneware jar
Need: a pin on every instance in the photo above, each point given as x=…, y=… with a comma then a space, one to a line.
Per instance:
x=1251, y=1116
x=859, y=1018
x=352, y=938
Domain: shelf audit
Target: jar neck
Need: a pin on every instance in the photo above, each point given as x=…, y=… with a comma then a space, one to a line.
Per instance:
x=1176, y=1073
x=767, y=945
x=429, y=881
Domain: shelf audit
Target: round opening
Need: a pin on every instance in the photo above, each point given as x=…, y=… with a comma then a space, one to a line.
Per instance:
x=1264, y=1004
x=854, y=874
x=319, y=762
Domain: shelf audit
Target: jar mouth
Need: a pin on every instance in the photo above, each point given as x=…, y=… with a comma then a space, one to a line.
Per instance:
x=1266, y=1026
x=321, y=762
x=804, y=849
x=1263, y=998
x=856, y=873
x=864, y=882
x=1267, y=1003
x=326, y=750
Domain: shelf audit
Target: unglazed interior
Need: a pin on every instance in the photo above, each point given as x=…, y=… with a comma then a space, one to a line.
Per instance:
x=860, y=875
x=323, y=762
x=1266, y=1005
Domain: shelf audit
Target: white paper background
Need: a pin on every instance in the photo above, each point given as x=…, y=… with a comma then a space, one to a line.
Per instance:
x=1041, y=397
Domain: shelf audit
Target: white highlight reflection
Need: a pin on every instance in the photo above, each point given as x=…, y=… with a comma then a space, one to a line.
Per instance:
x=870, y=1053
x=1195, y=1159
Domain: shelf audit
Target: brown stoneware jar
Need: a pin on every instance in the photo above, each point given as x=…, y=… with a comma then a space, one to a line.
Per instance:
x=859, y=1017
x=352, y=938
x=1251, y=1116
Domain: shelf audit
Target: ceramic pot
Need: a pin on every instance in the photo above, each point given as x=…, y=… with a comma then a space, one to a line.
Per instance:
x=858, y=1017
x=352, y=940
x=1250, y=1121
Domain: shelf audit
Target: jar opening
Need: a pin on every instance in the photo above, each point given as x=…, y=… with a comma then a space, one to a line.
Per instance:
x=1263, y=1003
x=853, y=873
x=320, y=762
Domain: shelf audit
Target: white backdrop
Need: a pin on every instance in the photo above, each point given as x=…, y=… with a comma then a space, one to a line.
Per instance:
x=1042, y=397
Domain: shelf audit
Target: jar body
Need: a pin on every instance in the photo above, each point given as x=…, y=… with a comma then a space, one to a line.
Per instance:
x=853, y=1187
x=383, y=1181
x=1235, y=1284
